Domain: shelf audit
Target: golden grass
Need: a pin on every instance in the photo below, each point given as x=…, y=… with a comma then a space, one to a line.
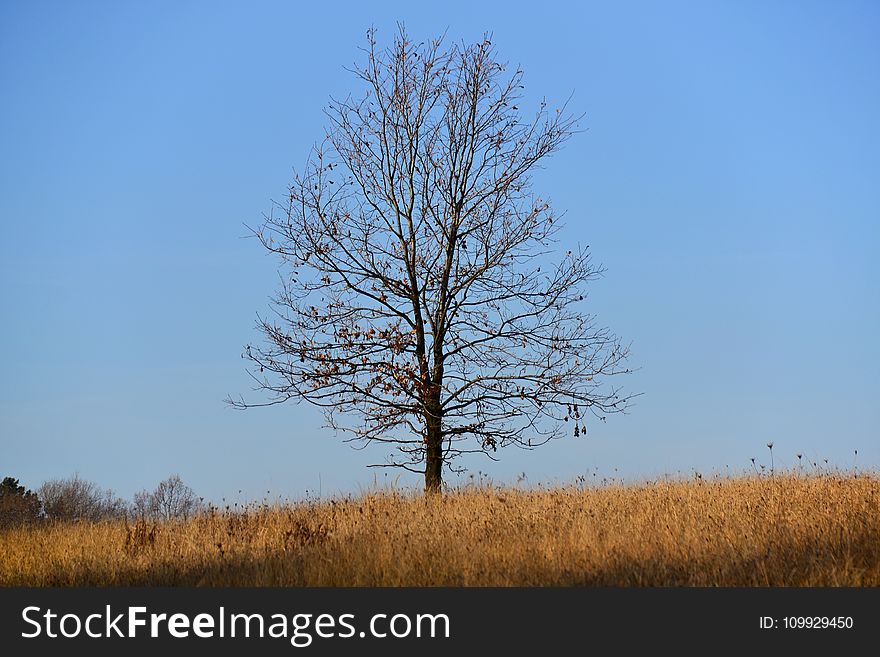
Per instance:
x=782, y=531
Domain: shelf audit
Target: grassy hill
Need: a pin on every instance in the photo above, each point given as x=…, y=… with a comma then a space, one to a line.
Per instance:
x=789, y=530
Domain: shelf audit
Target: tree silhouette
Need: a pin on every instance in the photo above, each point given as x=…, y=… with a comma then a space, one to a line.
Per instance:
x=417, y=305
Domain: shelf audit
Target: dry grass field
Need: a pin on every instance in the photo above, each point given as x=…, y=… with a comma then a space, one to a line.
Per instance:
x=785, y=530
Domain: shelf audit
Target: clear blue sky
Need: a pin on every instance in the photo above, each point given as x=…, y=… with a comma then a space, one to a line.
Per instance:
x=729, y=180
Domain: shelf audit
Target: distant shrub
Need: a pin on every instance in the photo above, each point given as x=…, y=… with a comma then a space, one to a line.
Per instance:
x=18, y=506
x=79, y=499
x=171, y=500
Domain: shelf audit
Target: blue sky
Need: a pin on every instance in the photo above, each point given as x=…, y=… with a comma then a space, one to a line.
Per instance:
x=728, y=179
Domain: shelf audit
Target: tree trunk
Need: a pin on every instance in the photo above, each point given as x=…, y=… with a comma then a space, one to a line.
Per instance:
x=434, y=452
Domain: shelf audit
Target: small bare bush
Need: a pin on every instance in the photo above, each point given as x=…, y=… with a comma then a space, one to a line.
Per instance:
x=171, y=500
x=75, y=498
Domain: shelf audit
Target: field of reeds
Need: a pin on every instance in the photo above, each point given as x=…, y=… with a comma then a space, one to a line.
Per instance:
x=789, y=530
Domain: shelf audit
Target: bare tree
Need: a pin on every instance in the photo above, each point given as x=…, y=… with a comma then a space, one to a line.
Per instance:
x=172, y=499
x=75, y=498
x=417, y=305
x=143, y=505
